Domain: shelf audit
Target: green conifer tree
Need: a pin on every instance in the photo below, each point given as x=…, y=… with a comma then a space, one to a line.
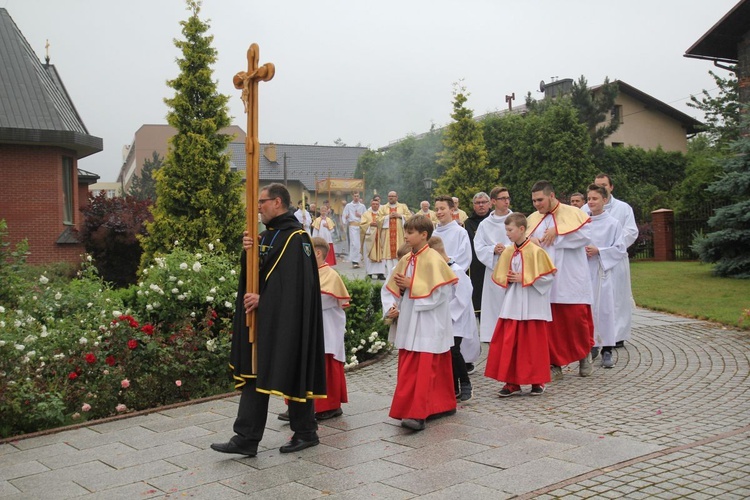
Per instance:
x=728, y=246
x=465, y=157
x=143, y=186
x=198, y=197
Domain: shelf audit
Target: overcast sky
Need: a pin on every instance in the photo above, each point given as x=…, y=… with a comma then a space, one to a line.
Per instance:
x=367, y=72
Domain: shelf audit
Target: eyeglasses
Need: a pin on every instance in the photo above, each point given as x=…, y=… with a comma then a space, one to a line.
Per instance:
x=481, y=202
x=263, y=200
x=503, y=198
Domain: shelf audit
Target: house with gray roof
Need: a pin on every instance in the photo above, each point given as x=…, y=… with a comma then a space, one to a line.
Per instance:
x=42, y=137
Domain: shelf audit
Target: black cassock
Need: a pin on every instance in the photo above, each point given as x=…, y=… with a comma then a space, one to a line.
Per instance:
x=289, y=318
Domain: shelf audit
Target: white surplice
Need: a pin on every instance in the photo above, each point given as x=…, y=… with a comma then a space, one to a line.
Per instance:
x=490, y=232
x=456, y=243
x=462, y=309
x=524, y=303
x=334, y=326
x=607, y=236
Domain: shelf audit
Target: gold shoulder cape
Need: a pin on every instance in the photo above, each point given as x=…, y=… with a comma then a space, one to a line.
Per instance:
x=567, y=219
x=535, y=263
x=331, y=284
x=430, y=272
x=316, y=223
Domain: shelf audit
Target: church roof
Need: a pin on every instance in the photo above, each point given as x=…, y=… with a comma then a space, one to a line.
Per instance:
x=720, y=43
x=304, y=163
x=35, y=107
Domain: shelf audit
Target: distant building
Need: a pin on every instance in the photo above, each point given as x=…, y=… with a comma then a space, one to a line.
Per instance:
x=728, y=42
x=42, y=137
x=110, y=189
x=155, y=137
x=645, y=121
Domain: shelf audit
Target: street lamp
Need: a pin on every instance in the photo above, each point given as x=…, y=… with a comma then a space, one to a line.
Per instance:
x=428, y=183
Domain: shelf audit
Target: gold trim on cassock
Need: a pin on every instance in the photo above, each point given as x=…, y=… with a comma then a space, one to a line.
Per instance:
x=331, y=284
x=535, y=263
x=430, y=272
x=567, y=219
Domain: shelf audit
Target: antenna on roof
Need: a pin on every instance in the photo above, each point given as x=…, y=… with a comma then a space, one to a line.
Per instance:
x=46, y=57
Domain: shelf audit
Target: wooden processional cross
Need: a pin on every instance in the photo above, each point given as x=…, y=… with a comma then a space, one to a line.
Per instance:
x=248, y=82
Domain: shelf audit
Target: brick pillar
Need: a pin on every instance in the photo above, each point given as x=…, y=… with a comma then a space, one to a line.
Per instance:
x=662, y=225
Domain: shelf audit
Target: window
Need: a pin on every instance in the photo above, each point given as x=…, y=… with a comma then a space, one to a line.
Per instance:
x=618, y=144
x=67, y=190
x=617, y=113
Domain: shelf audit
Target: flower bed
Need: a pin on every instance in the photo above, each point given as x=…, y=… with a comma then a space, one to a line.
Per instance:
x=76, y=349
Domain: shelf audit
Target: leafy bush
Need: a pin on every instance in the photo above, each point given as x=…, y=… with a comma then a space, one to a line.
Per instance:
x=110, y=232
x=11, y=261
x=366, y=334
x=77, y=349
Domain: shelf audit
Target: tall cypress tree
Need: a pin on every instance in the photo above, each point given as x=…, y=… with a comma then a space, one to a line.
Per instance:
x=465, y=156
x=198, y=197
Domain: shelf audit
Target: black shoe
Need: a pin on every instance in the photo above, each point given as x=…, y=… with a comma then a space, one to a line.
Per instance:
x=415, y=424
x=284, y=416
x=232, y=447
x=325, y=415
x=443, y=414
x=381, y=277
x=620, y=343
x=297, y=444
x=470, y=368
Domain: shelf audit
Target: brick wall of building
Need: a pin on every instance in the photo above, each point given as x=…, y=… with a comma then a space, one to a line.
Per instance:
x=31, y=200
x=743, y=66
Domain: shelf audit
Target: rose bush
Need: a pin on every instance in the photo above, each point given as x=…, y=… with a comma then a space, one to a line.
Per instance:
x=76, y=349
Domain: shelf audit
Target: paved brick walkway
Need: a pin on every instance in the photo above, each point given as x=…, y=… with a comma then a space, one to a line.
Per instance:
x=671, y=420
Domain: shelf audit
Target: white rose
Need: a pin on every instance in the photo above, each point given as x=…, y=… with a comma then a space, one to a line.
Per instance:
x=209, y=298
x=83, y=341
x=210, y=246
x=43, y=280
x=180, y=297
x=116, y=314
x=180, y=283
x=213, y=290
x=183, y=266
x=192, y=315
x=2, y=342
x=20, y=347
x=198, y=256
x=175, y=290
x=149, y=307
x=2, y=309
x=227, y=304
x=232, y=272
x=58, y=296
x=222, y=279
x=197, y=267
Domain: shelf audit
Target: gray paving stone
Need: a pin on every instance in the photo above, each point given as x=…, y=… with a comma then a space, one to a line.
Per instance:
x=372, y=490
x=362, y=435
x=144, y=440
x=50, y=490
x=532, y=475
x=519, y=452
x=258, y=480
x=210, y=491
x=120, y=477
x=606, y=452
x=7, y=489
x=127, y=422
x=289, y=491
x=445, y=475
x=43, y=481
x=140, y=489
x=130, y=457
x=355, y=476
x=197, y=419
x=178, y=480
x=468, y=490
x=75, y=456
x=437, y=431
x=67, y=436
x=339, y=459
x=436, y=454
x=14, y=456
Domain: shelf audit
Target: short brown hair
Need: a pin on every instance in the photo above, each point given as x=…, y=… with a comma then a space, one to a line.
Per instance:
x=518, y=219
x=436, y=243
x=545, y=186
x=420, y=224
x=599, y=189
x=321, y=244
x=447, y=199
x=497, y=190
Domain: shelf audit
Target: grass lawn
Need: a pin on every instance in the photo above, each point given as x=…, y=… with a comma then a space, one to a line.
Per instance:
x=689, y=289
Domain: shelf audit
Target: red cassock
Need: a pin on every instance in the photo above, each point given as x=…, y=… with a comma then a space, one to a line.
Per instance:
x=335, y=385
x=572, y=333
x=519, y=353
x=425, y=385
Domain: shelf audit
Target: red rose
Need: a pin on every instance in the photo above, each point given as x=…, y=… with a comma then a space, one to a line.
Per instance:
x=90, y=358
x=213, y=313
x=110, y=360
x=210, y=323
x=72, y=375
x=133, y=323
x=132, y=344
x=148, y=329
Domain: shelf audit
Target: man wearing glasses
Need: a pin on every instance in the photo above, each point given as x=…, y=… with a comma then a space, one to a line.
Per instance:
x=289, y=331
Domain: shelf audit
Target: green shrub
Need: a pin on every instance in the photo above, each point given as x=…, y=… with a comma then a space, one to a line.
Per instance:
x=366, y=334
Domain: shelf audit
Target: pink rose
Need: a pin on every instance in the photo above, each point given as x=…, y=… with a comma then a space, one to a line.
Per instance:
x=121, y=408
x=125, y=383
x=86, y=407
x=178, y=383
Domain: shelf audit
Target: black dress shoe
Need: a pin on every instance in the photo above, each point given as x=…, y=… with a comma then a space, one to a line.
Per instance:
x=325, y=415
x=284, y=416
x=232, y=447
x=297, y=444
